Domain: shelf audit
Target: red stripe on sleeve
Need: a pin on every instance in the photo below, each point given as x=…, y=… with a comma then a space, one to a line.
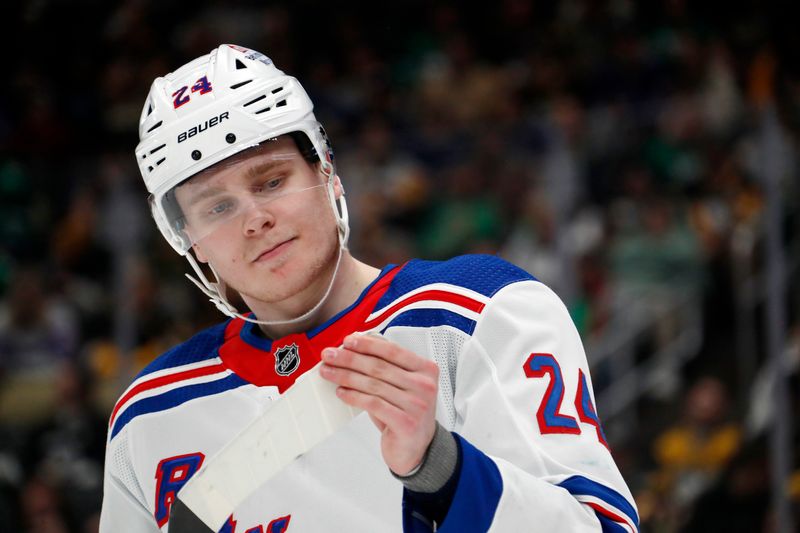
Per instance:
x=164, y=380
x=609, y=514
x=438, y=295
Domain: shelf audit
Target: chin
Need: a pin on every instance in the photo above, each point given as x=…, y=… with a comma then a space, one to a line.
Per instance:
x=284, y=293
x=281, y=284
x=288, y=277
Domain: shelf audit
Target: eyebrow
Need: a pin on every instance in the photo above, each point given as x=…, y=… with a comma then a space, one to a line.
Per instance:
x=205, y=192
x=266, y=166
x=251, y=172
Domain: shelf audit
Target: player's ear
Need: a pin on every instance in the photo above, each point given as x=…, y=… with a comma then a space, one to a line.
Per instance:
x=198, y=253
x=338, y=188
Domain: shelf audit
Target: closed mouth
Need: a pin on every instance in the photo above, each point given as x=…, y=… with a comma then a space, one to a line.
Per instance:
x=273, y=251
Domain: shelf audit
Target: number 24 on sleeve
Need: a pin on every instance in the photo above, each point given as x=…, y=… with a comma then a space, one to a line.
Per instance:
x=549, y=415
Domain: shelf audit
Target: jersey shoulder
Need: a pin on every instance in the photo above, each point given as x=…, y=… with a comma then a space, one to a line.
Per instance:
x=452, y=294
x=200, y=347
x=481, y=274
x=190, y=370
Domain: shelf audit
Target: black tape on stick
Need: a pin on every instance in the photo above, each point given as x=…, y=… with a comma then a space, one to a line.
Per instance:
x=183, y=520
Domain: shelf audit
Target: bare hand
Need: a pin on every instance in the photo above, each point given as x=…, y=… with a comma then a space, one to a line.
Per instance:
x=398, y=389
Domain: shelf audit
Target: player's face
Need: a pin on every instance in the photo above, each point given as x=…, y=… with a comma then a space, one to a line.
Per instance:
x=263, y=220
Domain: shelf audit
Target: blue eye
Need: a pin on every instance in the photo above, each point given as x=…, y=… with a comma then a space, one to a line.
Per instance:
x=269, y=185
x=219, y=209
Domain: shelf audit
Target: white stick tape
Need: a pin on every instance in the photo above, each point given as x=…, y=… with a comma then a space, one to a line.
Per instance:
x=300, y=419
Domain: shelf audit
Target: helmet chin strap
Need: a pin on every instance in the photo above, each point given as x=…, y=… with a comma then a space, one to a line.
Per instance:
x=216, y=290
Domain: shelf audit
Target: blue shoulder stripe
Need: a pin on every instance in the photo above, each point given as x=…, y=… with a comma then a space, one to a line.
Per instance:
x=484, y=274
x=609, y=526
x=173, y=398
x=579, y=485
x=428, y=318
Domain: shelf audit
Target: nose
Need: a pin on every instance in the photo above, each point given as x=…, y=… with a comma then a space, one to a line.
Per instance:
x=257, y=219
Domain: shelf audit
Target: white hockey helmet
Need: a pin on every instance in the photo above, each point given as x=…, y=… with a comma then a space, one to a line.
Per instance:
x=208, y=110
x=212, y=108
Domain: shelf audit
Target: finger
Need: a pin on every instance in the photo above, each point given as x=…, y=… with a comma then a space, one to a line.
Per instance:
x=375, y=367
x=378, y=424
x=401, y=399
x=386, y=350
x=392, y=417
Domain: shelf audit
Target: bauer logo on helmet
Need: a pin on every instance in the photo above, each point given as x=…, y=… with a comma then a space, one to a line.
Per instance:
x=200, y=128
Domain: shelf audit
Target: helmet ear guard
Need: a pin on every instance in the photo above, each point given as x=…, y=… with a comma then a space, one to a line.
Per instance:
x=210, y=109
x=175, y=236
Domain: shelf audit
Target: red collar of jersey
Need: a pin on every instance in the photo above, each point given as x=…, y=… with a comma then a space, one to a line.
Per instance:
x=281, y=361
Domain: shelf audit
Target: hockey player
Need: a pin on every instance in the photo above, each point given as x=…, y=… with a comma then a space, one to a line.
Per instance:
x=479, y=410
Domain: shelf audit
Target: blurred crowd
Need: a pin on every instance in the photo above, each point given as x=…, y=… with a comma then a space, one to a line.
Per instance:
x=611, y=148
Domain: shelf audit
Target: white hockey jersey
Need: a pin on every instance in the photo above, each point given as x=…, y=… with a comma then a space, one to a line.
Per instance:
x=514, y=389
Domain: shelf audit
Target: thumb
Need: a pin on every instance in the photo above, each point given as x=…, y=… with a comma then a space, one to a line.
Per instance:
x=380, y=425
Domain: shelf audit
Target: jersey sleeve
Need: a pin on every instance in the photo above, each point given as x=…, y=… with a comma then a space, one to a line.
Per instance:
x=533, y=454
x=123, y=506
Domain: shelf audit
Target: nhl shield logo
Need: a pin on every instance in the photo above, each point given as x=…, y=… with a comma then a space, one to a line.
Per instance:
x=287, y=359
